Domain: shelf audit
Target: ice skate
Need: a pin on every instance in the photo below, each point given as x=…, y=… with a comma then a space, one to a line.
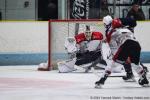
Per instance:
x=143, y=81
x=98, y=85
x=129, y=77
x=101, y=82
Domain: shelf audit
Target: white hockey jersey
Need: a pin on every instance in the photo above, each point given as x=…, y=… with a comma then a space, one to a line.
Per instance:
x=118, y=37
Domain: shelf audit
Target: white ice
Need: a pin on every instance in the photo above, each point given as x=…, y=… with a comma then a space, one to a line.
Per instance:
x=26, y=83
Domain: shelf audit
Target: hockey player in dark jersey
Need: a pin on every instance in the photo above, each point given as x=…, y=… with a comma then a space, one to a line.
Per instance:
x=124, y=48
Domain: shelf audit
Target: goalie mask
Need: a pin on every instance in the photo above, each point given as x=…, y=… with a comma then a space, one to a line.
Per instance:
x=88, y=33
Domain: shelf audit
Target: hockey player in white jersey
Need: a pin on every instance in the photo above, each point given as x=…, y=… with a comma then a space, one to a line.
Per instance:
x=130, y=24
x=126, y=48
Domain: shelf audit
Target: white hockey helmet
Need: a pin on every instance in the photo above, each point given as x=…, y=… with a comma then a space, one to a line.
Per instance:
x=107, y=20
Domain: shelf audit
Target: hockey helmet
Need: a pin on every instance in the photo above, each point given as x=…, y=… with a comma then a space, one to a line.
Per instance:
x=107, y=20
x=116, y=23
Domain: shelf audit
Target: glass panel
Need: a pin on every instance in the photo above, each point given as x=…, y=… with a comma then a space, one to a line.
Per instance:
x=97, y=9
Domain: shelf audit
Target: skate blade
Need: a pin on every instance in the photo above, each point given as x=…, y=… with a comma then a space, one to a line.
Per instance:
x=146, y=85
x=86, y=71
x=98, y=86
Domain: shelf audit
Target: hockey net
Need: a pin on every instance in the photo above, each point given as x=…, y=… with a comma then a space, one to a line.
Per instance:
x=59, y=30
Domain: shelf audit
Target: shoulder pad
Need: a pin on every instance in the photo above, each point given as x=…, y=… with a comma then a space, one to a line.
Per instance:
x=80, y=37
x=123, y=30
x=97, y=36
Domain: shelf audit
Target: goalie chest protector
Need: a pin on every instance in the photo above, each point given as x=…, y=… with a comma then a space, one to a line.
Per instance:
x=95, y=36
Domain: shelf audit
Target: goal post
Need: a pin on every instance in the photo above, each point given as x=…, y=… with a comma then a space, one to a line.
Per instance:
x=59, y=30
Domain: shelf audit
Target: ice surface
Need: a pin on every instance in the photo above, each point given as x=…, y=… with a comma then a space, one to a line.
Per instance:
x=26, y=83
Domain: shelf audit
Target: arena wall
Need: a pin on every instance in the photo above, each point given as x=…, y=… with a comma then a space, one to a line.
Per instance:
x=26, y=42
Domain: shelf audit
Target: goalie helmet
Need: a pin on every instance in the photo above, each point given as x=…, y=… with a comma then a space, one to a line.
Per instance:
x=88, y=33
x=107, y=20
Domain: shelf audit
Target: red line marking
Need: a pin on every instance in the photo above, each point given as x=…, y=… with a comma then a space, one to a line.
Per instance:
x=11, y=83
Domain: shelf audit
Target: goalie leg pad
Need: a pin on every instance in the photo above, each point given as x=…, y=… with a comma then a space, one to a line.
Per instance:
x=66, y=66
